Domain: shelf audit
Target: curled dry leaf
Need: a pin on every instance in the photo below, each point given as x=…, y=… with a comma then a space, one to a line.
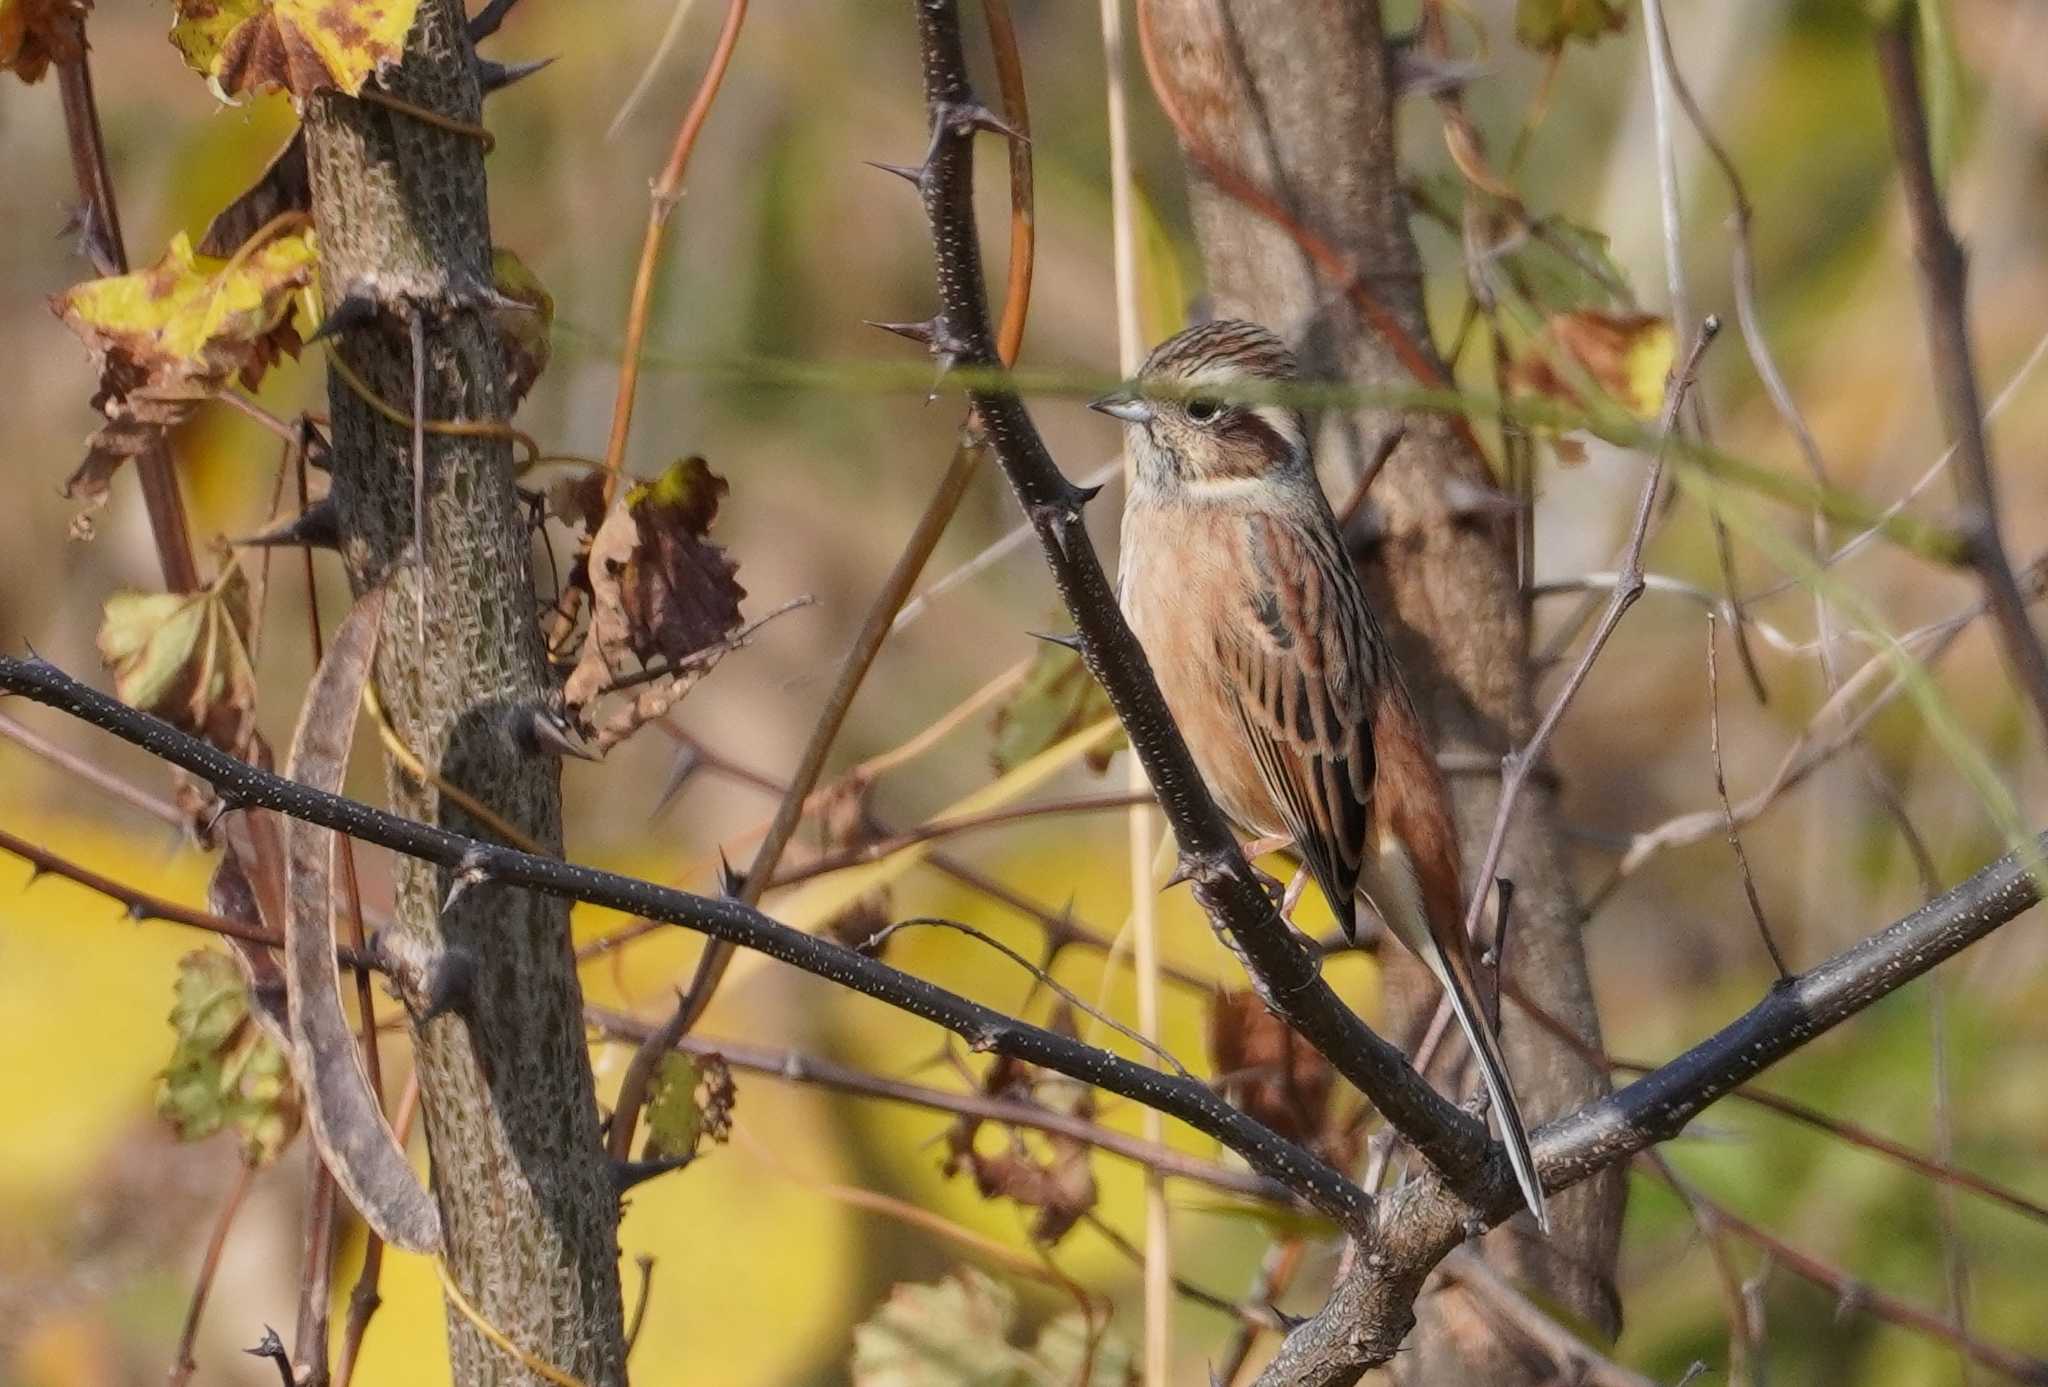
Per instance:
x=343, y=1109
x=1058, y=698
x=167, y=337
x=1626, y=356
x=1548, y=25
x=958, y=1332
x=36, y=33
x=225, y=1072
x=185, y=657
x=663, y=599
x=1059, y=1185
x=527, y=332
x=1268, y=1070
x=691, y=1103
x=844, y=824
x=301, y=46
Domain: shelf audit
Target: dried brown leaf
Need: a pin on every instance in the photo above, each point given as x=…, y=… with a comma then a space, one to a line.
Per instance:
x=661, y=596
x=1267, y=1069
x=36, y=33
x=1060, y=1185
x=1626, y=356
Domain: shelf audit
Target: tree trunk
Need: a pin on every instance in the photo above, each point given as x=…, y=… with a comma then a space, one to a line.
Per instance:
x=1295, y=96
x=527, y=1205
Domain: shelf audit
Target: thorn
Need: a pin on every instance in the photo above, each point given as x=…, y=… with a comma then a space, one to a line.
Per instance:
x=966, y=117
x=925, y=334
x=449, y=985
x=485, y=21
x=272, y=1348
x=355, y=310
x=495, y=77
x=906, y=172
x=1082, y=495
x=136, y=911
x=316, y=527
x=626, y=1174
x=543, y=731
x=490, y=296
x=470, y=871
x=688, y=762
x=730, y=882
x=1073, y=642
x=215, y=812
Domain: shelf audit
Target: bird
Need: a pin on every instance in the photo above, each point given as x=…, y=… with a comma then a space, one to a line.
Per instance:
x=1234, y=577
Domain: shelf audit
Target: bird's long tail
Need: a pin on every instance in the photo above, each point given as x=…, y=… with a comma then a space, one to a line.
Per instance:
x=1391, y=886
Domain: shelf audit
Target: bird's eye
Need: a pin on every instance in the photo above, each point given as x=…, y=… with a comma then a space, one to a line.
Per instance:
x=1201, y=409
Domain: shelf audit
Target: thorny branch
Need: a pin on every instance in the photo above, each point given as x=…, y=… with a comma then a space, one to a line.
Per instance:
x=1411, y=1230
x=1284, y=969
x=1942, y=274
x=473, y=865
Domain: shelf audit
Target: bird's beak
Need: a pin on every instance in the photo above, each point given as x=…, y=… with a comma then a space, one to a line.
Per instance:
x=1124, y=404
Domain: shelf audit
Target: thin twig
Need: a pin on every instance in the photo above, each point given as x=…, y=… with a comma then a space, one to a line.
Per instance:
x=72, y=764
x=1516, y=765
x=853, y=670
x=154, y=467
x=1574, y=1359
x=480, y=864
x=666, y=192
x=183, y=1364
x=646, y=1265
x=794, y=1066
x=1756, y=905
x=1942, y=274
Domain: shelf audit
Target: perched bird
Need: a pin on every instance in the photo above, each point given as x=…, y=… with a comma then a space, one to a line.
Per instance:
x=1236, y=582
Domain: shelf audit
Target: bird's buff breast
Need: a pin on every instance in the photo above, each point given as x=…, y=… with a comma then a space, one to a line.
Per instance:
x=1180, y=593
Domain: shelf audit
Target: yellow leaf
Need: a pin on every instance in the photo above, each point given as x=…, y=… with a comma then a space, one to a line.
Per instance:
x=1626, y=357
x=176, y=333
x=302, y=46
x=1548, y=25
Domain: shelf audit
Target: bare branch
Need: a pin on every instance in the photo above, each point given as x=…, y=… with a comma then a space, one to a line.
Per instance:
x=1942, y=273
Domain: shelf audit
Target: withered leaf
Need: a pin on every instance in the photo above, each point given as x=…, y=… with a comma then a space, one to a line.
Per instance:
x=1626, y=356
x=527, y=333
x=225, y=1072
x=36, y=33
x=958, y=1332
x=166, y=337
x=844, y=823
x=691, y=1103
x=185, y=657
x=661, y=596
x=302, y=46
x=1548, y=25
x=1058, y=698
x=1061, y=1184
x=1267, y=1069
x=285, y=185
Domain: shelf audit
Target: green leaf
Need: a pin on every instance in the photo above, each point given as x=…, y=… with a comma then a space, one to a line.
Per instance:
x=1058, y=698
x=1548, y=25
x=302, y=46
x=224, y=1072
x=691, y=1101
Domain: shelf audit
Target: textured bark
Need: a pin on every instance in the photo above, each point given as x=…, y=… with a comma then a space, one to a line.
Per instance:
x=526, y=1200
x=1295, y=95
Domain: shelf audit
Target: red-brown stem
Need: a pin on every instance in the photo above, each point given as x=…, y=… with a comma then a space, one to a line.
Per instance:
x=183, y=1365
x=161, y=498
